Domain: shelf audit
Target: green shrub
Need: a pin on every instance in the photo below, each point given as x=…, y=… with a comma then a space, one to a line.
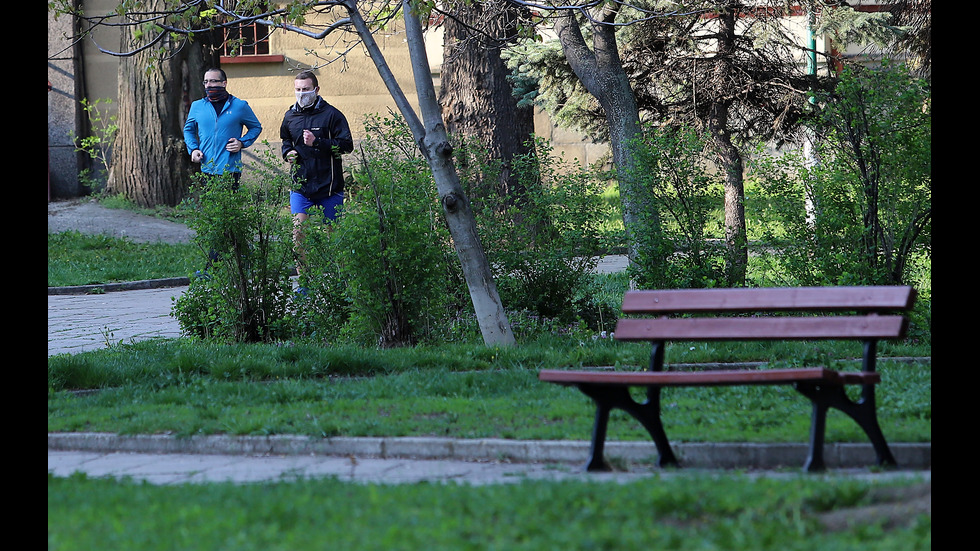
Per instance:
x=97, y=145
x=544, y=240
x=870, y=189
x=385, y=270
x=678, y=197
x=242, y=295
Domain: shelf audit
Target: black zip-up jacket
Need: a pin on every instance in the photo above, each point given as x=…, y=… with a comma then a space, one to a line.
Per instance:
x=319, y=170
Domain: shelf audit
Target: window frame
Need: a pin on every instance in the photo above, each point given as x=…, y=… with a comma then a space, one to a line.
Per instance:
x=261, y=48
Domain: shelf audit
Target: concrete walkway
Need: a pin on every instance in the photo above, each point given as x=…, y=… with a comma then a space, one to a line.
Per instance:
x=165, y=459
x=82, y=323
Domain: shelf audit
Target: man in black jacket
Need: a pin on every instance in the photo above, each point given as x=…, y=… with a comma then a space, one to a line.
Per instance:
x=314, y=136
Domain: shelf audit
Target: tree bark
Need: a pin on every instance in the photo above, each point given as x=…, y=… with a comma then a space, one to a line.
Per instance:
x=476, y=98
x=601, y=71
x=729, y=157
x=150, y=164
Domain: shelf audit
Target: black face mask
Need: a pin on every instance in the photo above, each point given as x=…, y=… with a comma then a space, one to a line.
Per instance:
x=216, y=93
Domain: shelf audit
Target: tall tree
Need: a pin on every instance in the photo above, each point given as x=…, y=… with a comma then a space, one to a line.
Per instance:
x=600, y=70
x=430, y=134
x=729, y=156
x=157, y=82
x=915, y=17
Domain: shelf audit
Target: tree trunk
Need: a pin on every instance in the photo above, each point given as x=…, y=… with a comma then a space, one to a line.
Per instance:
x=730, y=160
x=475, y=95
x=150, y=164
x=434, y=144
x=601, y=71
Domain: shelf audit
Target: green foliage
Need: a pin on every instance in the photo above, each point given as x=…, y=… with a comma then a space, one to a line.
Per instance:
x=78, y=259
x=846, y=25
x=871, y=190
x=541, y=76
x=387, y=260
x=678, y=512
x=98, y=145
x=678, y=194
x=322, y=305
x=246, y=243
x=544, y=236
x=213, y=388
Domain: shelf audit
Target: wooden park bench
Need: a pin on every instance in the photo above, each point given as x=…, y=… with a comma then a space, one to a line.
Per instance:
x=795, y=313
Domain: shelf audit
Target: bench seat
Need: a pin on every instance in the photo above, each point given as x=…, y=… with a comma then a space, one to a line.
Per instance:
x=710, y=378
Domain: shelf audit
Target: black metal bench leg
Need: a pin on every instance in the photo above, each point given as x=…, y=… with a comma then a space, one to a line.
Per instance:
x=862, y=412
x=873, y=430
x=865, y=414
x=648, y=414
x=818, y=427
x=597, y=460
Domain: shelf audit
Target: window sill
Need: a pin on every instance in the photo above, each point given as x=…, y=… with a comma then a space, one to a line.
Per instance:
x=253, y=59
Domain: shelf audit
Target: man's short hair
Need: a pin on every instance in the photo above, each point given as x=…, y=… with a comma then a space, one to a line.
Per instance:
x=308, y=75
x=215, y=69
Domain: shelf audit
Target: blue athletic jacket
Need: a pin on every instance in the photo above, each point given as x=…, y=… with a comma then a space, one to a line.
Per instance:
x=209, y=132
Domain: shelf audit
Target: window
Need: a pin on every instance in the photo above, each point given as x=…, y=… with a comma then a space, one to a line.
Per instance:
x=246, y=42
x=247, y=39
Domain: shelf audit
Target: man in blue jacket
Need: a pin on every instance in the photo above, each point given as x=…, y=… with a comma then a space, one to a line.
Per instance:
x=314, y=136
x=213, y=131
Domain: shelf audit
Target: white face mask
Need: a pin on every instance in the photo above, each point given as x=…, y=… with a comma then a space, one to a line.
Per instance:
x=305, y=99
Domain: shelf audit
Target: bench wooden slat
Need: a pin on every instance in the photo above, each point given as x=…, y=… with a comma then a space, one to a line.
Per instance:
x=763, y=328
x=708, y=378
x=870, y=298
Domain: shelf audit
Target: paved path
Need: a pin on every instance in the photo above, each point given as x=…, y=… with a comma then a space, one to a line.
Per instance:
x=204, y=468
x=82, y=323
x=165, y=459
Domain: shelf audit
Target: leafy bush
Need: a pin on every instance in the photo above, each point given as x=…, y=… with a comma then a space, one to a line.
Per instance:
x=98, y=145
x=870, y=190
x=678, y=187
x=543, y=241
x=246, y=242
x=384, y=273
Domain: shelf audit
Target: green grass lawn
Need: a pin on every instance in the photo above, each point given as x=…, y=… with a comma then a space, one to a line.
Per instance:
x=464, y=391
x=695, y=512
x=78, y=259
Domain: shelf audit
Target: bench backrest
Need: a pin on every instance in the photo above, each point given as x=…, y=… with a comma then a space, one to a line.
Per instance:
x=872, y=301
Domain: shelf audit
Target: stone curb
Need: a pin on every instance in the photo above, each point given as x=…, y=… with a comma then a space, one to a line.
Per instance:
x=124, y=286
x=914, y=456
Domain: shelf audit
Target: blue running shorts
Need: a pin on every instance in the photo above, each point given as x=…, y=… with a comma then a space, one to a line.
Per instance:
x=298, y=203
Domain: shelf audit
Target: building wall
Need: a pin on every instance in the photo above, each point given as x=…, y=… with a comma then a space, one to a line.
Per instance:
x=62, y=112
x=355, y=87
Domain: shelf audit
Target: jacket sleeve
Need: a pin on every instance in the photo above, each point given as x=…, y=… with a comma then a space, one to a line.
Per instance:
x=342, y=138
x=190, y=131
x=251, y=122
x=285, y=136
